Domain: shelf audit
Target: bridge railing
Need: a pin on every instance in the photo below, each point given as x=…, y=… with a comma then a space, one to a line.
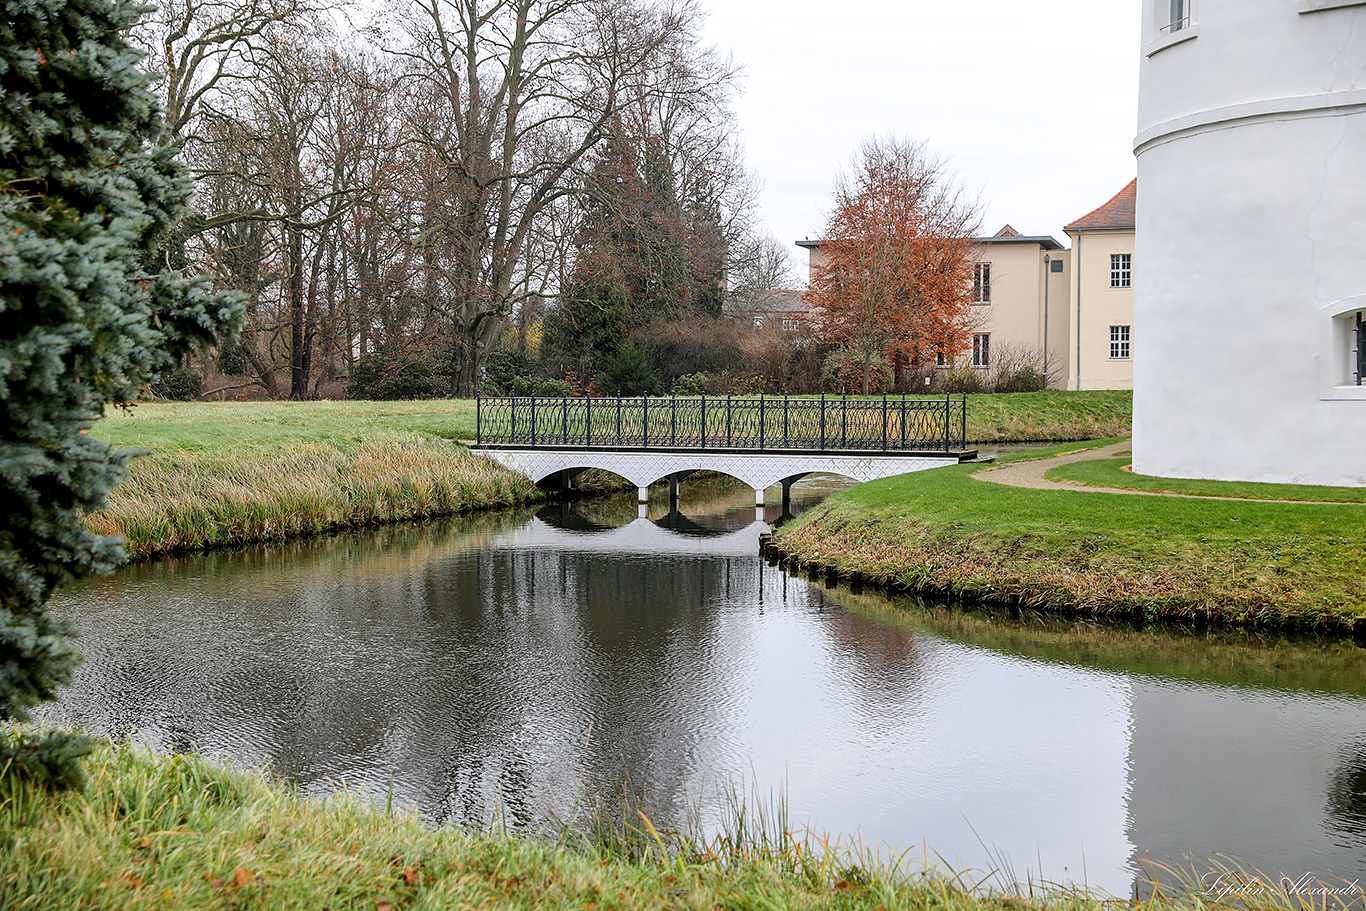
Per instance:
x=730, y=422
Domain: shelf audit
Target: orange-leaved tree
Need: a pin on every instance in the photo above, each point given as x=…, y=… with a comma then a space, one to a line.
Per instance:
x=893, y=274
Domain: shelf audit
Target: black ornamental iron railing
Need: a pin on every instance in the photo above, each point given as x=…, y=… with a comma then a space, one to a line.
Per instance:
x=726, y=422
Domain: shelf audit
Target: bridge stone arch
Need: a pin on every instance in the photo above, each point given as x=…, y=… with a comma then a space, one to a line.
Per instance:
x=759, y=470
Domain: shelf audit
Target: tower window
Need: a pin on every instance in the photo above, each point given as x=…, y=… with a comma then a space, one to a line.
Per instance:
x=1180, y=16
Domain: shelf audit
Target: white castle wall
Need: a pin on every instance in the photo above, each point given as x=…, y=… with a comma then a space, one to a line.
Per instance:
x=1251, y=248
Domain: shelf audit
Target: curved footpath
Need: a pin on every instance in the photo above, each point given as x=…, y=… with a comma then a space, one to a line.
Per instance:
x=1030, y=474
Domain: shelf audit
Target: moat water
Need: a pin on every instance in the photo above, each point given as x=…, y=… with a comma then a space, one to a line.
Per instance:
x=508, y=664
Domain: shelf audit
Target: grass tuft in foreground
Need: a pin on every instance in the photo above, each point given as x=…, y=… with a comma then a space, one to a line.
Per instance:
x=179, y=500
x=183, y=833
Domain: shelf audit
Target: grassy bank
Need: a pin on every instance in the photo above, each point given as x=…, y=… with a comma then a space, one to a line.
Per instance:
x=191, y=499
x=231, y=473
x=182, y=833
x=1024, y=417
x=946, y=534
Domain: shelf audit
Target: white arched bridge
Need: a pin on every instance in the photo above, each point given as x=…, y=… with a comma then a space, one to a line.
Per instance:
x=763, y=441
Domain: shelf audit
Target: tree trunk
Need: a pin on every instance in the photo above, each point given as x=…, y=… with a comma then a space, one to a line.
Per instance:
x=298, y=337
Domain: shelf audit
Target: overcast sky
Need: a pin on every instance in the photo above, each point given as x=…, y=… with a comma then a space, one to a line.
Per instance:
x=1033, y=104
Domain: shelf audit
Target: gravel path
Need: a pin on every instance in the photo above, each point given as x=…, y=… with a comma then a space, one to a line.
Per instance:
x=1029, y=472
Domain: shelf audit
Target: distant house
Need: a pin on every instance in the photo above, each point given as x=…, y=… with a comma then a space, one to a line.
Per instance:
x=1019, y=294
x=1020, y=285
x=761, y=307
x=1100, y=353
x=1067, y=313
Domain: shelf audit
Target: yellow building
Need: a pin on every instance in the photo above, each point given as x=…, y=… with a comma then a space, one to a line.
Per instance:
x=1066, y=313
x=1020, y=312
x=1101, y=314
x=1020, y=286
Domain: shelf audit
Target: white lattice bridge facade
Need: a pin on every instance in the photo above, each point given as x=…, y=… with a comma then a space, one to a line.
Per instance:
x=557, y=466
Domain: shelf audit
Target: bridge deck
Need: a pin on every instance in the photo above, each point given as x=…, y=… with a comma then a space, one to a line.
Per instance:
x=744, y=424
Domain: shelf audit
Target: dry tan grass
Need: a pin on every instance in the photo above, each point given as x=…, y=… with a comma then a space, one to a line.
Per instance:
x=188, y=500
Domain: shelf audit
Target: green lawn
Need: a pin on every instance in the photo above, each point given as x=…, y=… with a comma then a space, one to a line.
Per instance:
x=1114, y=473
x=214, y=425
x=1020, y=417
x=944, y=532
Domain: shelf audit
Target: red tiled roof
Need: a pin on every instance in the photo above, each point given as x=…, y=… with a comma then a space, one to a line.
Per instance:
x=1116, y=214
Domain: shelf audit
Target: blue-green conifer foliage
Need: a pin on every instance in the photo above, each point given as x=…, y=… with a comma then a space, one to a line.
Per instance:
x=87, y=318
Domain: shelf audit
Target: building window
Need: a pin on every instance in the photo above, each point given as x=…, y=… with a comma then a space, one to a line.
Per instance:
x=1119, y=342
x=791, y=324
x=1357, y=362
x=981, y=283
x=1121, y=270
x=981, y=350
x=940, y=358
x=1180, y=16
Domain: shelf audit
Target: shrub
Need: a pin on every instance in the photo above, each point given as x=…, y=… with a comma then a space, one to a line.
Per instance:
x=539, y=385
x=962, y=380
x=413, y=375
x=181, y=385
x=1024, y=379
x=695, y=384
x=629, y=372
x=503, y=366
x=699, y=344
x=843, y=372
x=741, y=384
x=232, y=359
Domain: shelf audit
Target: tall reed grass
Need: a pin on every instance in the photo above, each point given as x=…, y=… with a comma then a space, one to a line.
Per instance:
x=181, y=832
x=182, y=500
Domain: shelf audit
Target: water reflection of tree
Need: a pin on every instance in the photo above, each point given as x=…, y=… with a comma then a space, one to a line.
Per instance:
x=1347, y=792
x=886, y=658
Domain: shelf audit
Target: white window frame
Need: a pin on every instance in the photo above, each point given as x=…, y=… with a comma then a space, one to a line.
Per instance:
x=1120, y=337
x=981, y=283
x=1173, y=22
x=1121, y=270
x=791, y=324
x=941, y=360
x=1178, y=16
x=1337, y=362
x=981, y=350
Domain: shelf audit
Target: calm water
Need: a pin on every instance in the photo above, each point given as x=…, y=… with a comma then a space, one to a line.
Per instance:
x=509, y=662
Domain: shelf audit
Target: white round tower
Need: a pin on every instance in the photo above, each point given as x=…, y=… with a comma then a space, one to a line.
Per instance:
x=1250, y=264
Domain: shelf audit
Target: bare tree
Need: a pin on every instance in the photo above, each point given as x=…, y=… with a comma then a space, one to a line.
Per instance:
x=518, y=93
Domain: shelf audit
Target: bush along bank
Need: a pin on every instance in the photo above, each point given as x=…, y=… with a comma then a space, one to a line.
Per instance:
x=946, y=535
x=184, y=500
